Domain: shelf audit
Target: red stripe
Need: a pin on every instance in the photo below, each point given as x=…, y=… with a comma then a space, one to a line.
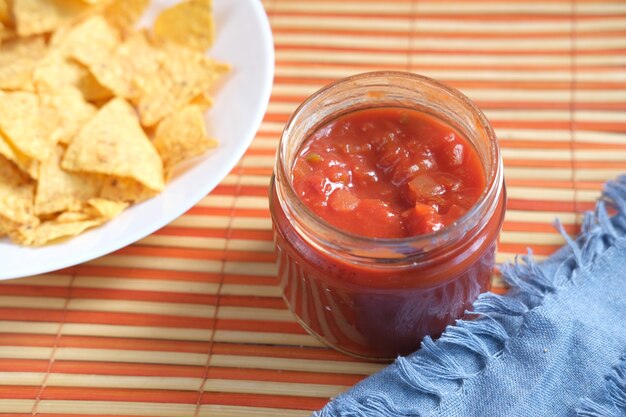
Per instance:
x=118, y=394
x=23, y=365
x=126, y=369
x=258, y=400
x=94, y=342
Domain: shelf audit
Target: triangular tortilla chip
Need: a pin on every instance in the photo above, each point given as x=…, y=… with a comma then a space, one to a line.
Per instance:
x=124, y=13
x=55, y=71
x=125, y=190
x=27, y=165
x=18, y=58
x=105, y=208
x=51, y=230
x=59, y=190
x=113, y=143
x=16, y=196
x=63, y=112
x=182, y=135
x=125, y=71
x=40, y=16
x=88, y=42
x=189, y=23
x=183, y=75
x=20, y=123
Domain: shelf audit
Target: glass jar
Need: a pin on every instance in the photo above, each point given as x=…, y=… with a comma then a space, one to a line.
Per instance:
x=372, y=297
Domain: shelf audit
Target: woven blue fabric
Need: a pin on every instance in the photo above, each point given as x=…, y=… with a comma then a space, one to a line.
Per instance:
x=554, y=345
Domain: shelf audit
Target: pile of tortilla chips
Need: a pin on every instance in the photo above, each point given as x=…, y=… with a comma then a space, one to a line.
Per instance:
x=94, y=114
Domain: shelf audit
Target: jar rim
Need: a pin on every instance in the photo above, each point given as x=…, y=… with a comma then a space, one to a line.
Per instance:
x=494, y=175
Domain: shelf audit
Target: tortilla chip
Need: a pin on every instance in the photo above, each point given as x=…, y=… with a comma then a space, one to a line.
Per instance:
x=125, y=71
x=125, y=190
x=105, y=208
x=124, y=13
x=73, y=216
x=50, y=231
x=59, y=190
x=40, y=16
x=19, y=121
x=5, y=13
x=56, y=71
x=184, y=75
x=182, y=135
x=89, y=42
x=6, y=32
x=204, y=100
x=63, y=112
x=18, y=58
x=16, y=196
x=28, y=165
x=113, y=143
x=189, y=23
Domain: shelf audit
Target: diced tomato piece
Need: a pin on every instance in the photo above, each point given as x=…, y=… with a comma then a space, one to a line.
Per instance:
x=424, y=188
x=422, y=219
x=342, y=200
x=387, y=225
x=454, y=213
x=312, y=185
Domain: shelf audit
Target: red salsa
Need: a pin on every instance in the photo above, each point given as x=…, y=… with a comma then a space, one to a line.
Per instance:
x=388, y=172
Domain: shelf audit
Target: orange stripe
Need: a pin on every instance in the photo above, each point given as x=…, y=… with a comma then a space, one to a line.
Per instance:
x=435, y=35
x=255, y=191
x=282, y=62
x=537, y=227
x=536, y=163
x=589, y=185
x=18, y=339
x=18, y=393
x=539, y=183
x=23, y=365
x=281, y=352
x=159, y=296
x=600, y=164
x=523, y=248
x=129, y=369
x=258, y=400
x=530, y=144
x=255, y=325
x=191, y=253
x=530, y=205
x=115, y=394
x=38, y=291
x=155, y=274
x=45, y=315
x=283, y=376
x=188, y=231
x=89, y=342
x=250, y=279
x=251, y=234
x=262, y=302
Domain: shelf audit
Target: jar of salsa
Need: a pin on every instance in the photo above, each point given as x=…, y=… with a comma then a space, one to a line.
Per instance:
x=387, y=200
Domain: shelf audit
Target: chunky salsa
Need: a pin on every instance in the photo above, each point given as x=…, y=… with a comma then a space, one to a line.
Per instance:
x=388, y=172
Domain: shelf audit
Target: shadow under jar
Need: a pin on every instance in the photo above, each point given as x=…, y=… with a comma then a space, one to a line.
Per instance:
x=378, y=297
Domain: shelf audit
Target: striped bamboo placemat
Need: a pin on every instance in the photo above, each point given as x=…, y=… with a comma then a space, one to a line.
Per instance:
x=189, y=321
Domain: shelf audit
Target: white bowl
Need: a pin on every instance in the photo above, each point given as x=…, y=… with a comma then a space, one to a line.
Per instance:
x=244, y=39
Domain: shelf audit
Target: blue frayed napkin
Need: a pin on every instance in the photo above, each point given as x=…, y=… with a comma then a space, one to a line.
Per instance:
x=554, y=345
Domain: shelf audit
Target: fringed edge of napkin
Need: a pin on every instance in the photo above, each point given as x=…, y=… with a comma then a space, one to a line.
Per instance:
x=500, y=319
x=613, y=403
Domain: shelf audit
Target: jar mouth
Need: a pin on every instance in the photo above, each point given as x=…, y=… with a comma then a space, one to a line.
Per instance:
x=384, y=249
